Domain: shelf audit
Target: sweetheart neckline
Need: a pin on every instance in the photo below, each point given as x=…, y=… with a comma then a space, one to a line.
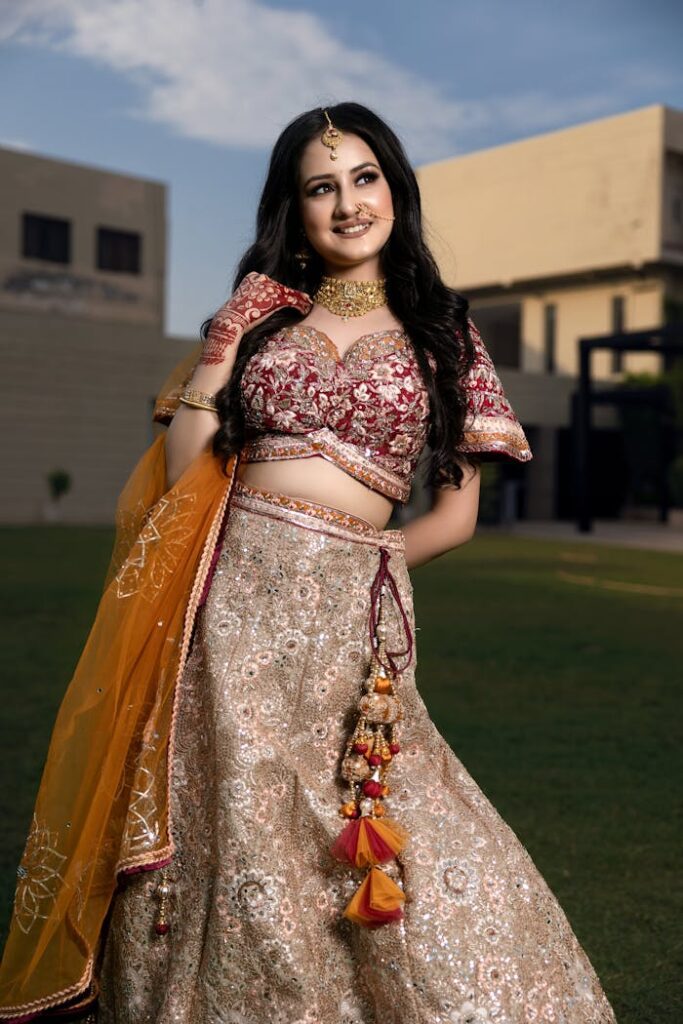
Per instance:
x=341, y=357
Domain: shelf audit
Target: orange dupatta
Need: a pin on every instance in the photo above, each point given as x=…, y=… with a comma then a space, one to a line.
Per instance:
x=103, y=802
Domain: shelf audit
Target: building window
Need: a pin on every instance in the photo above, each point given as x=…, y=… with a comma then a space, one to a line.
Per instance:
x=549, y=337
x=46, y=238
x=617, y=328
x=677, y=209
x=118, y=250
x=501, y=331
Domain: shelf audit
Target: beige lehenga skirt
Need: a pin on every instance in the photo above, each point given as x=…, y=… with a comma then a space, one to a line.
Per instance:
x=257, y=935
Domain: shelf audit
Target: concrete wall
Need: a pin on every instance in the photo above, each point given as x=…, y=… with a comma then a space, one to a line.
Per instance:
x=77, y=396
x=555, y=204
x=584, y=311
x=89, y=198
x=82, y=351
x=572, y=218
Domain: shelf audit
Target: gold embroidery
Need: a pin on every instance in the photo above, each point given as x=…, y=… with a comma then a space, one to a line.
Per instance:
x=505, y=441
x=39, y=876
x=167, y=527
x=341, y=524
x=142, y=826
x=324, y=442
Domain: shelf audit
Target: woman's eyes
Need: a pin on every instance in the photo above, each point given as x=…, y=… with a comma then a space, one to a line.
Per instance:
x=367, y=175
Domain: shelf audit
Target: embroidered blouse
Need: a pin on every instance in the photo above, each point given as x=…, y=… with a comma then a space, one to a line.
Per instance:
x=366, y=411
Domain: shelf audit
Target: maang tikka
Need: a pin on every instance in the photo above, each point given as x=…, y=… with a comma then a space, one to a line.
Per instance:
x=331, y=137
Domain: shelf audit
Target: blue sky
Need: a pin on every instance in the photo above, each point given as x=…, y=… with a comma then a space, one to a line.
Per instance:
x=193, y=92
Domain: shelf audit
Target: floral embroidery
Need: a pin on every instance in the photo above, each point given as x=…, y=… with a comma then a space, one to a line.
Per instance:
x=368, y=410
x=253, y=895
x=491, y=425
x=39, y=876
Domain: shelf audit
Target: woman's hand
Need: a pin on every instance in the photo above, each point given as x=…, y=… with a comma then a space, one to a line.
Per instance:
x=255, y=299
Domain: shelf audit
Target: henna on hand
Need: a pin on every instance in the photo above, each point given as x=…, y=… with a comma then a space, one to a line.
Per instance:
x=226, y=329
x=255, y=298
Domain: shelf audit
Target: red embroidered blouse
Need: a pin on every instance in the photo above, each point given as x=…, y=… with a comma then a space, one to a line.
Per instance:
x=368, y=411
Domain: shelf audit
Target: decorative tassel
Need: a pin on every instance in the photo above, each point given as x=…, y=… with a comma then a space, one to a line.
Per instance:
x=366, y=841
x=378, y=901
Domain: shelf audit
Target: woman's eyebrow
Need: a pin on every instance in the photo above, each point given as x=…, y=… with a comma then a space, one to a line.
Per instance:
x=322, y=177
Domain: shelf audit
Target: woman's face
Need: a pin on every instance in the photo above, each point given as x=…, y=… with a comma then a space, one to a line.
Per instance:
x=329, y=191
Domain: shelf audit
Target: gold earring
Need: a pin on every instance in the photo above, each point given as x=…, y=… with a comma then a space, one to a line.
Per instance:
x=303, y=255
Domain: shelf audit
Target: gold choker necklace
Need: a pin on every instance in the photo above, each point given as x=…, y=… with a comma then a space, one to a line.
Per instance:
x=350, y=298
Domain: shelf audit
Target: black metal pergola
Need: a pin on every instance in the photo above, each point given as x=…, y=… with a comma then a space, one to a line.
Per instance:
x=665, y=340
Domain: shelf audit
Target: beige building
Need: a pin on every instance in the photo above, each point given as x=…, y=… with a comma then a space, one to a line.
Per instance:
x=82, y=348
x=565, y=235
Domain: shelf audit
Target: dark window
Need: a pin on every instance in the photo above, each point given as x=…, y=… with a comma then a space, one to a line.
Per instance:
x=118, y=250
x=617, y=328
x=549, y=337
x=500, y=328
x=46, y=238
x=677, y=209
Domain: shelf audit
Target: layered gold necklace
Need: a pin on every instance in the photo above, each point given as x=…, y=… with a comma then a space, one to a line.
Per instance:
x=350, y=298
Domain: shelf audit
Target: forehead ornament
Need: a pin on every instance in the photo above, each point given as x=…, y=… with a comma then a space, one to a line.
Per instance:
x=331, y=137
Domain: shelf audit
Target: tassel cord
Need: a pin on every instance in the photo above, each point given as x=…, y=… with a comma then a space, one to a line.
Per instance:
x=384, y=576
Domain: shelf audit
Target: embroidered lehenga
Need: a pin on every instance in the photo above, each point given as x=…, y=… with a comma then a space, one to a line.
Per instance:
x=260, y=901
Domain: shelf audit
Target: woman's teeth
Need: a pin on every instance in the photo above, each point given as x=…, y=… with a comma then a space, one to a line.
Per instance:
x=357, y=229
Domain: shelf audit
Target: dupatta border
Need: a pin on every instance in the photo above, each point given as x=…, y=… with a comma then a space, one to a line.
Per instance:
x=21, y=1013
x=159, y=858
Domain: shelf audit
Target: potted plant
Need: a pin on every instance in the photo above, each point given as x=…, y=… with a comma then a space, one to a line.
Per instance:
x=59, y=484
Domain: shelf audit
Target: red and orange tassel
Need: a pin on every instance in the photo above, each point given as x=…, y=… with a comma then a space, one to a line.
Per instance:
x=366, y=841
x=378, y=901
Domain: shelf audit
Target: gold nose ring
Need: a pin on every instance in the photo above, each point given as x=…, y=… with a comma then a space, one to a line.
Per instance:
x=363, y=208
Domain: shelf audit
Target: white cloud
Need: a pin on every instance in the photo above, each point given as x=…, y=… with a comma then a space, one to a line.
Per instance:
x=20, y=144
x=233, y=72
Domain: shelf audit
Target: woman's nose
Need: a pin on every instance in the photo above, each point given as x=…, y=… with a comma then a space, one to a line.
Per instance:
x=346, y=206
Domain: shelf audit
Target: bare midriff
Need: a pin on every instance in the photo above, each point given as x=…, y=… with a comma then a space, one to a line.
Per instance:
x=316, y=479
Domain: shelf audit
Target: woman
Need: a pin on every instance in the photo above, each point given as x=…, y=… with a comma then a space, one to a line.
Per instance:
x=274, y=829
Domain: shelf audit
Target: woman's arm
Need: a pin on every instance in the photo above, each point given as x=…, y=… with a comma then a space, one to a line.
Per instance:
x=256, y=298
x=451, y=521
x=191, y=429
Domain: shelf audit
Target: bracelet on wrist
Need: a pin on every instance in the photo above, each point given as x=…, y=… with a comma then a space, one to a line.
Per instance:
x=198, y=399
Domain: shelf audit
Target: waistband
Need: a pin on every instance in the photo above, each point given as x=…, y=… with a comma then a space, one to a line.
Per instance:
x=313, y=516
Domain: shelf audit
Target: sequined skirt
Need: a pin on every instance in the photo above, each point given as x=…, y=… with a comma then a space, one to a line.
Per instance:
x=265, y=705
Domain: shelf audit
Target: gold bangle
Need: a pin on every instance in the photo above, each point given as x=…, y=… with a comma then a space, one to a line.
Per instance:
x=198, y=399
x=198, y=405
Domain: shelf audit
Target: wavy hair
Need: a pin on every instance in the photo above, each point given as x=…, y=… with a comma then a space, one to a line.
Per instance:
x=433, y=315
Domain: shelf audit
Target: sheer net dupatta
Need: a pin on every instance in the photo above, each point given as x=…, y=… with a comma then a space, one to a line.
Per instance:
x=102, y=806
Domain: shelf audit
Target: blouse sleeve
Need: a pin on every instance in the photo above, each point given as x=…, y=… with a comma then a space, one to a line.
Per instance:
x=491, y=427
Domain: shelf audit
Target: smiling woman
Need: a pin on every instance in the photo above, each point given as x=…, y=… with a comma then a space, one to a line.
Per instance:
x=247, y=814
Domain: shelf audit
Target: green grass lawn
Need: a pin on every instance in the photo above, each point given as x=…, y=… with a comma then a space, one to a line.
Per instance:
x=551, y=669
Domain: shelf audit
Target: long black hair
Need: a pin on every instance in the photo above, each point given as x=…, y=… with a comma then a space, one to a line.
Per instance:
x=430, y=312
